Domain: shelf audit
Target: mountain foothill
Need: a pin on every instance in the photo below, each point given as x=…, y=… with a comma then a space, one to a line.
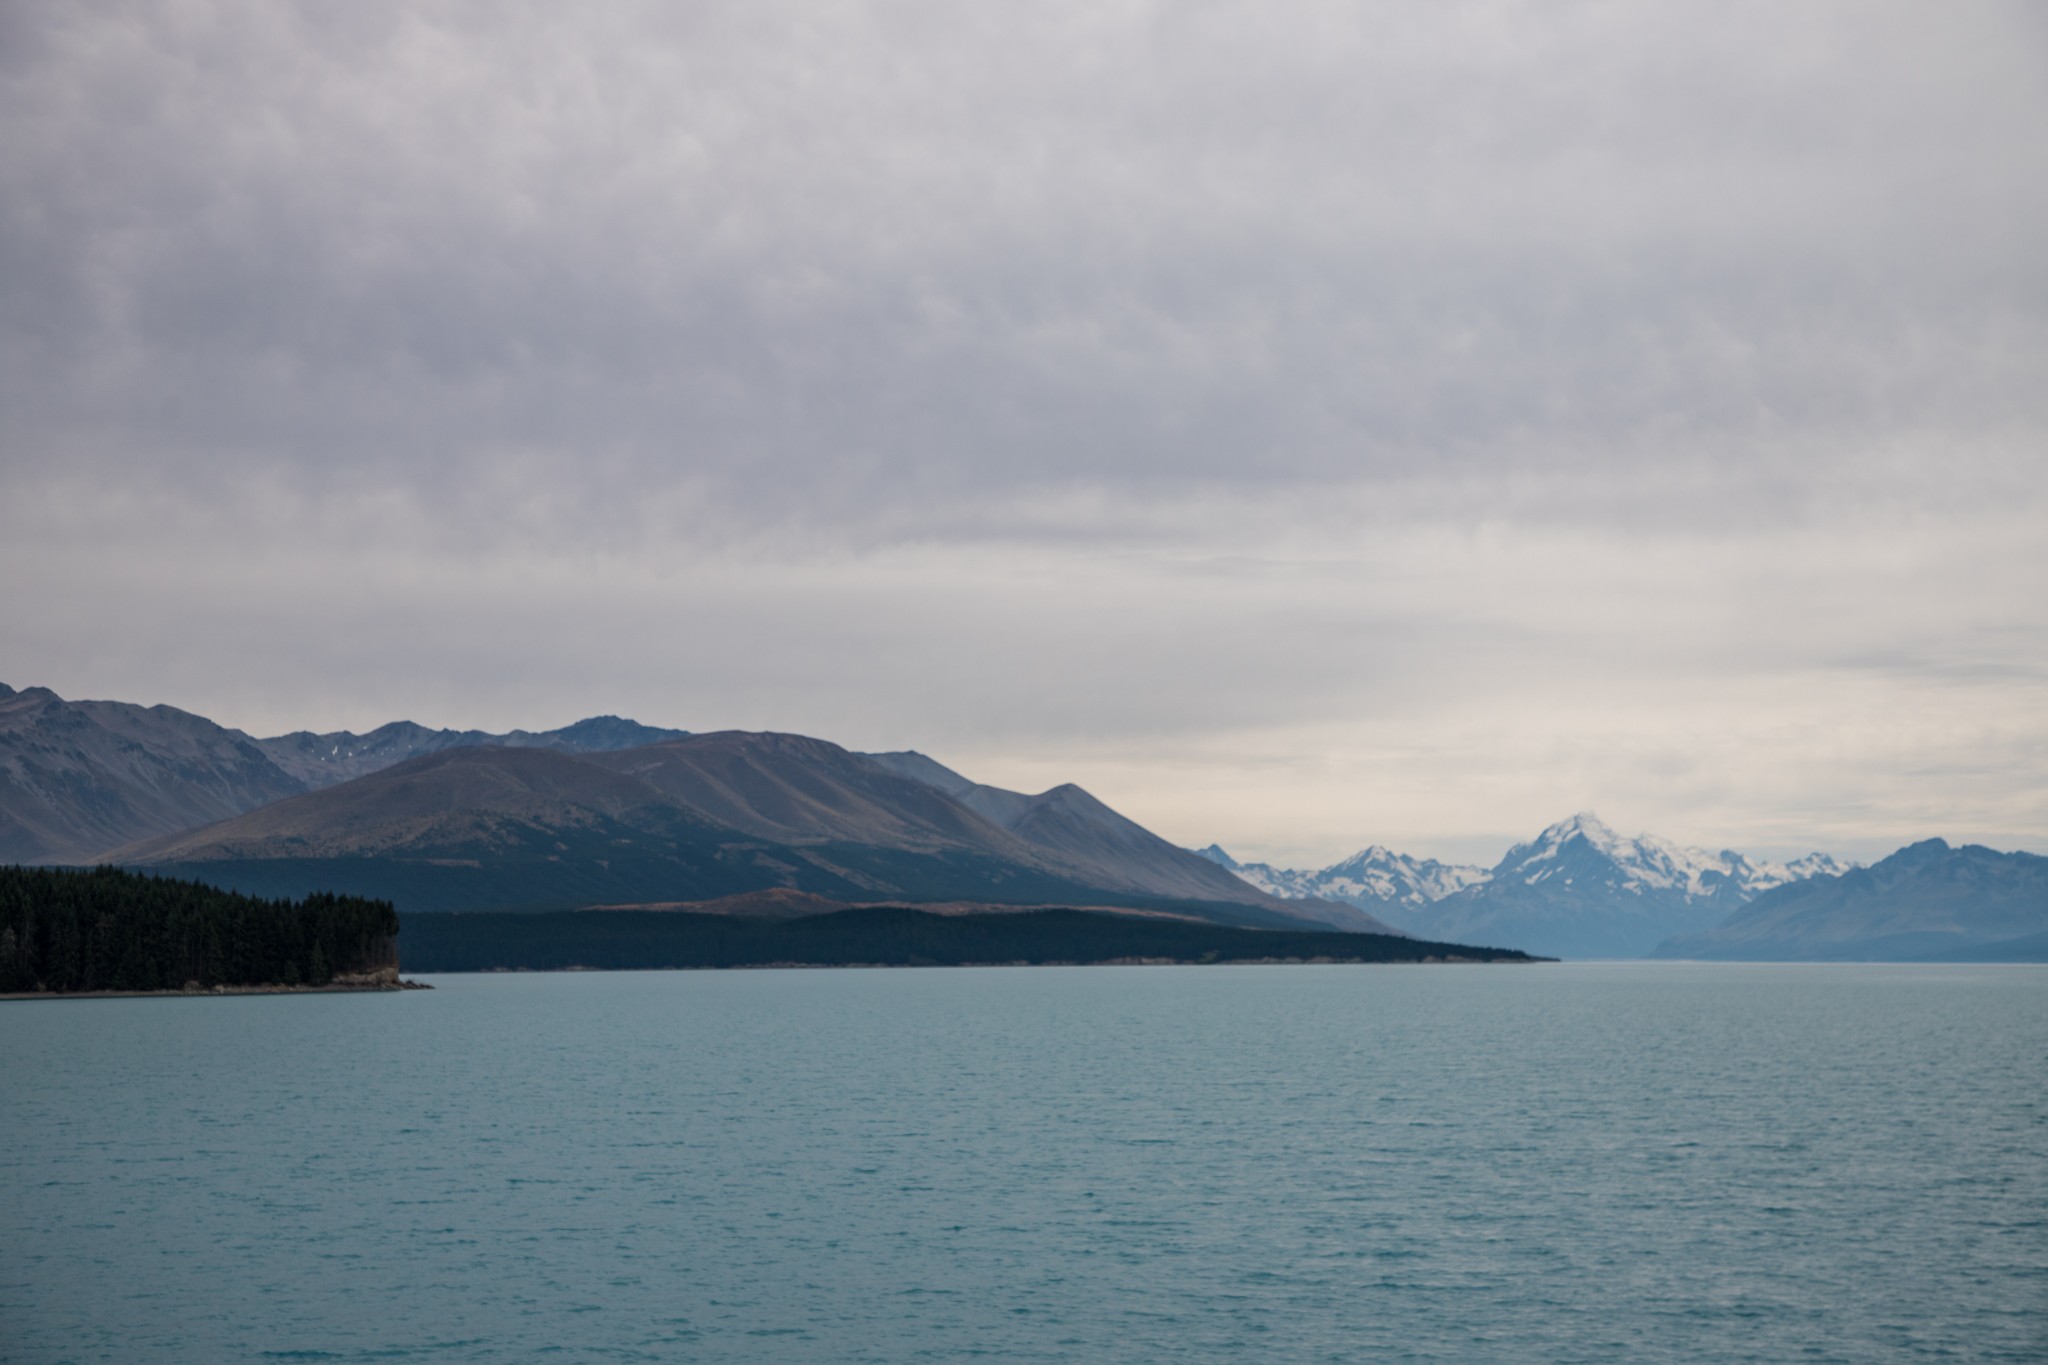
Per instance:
x=611, y=813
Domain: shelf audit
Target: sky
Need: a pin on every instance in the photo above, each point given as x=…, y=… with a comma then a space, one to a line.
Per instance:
x=1303, y=425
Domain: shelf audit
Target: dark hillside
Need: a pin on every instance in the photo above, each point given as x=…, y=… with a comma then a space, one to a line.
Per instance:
x=528, y=829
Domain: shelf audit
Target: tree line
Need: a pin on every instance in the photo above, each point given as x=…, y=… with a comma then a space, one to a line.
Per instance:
x=105, y=929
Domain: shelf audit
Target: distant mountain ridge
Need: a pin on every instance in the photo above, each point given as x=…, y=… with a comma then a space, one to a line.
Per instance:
x=80, y=778
x=1929, y=900
x=1373, y=878
x=1576, y=890
x=320, y=760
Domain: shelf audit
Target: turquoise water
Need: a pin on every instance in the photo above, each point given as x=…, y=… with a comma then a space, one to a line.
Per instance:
x=1625, y=1162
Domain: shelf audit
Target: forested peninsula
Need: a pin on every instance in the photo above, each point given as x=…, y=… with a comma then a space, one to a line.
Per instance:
x=109, y=931
x=69, y=931
x=881, y=936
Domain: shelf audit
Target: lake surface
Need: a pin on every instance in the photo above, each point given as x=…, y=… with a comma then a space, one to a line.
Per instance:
x=1620, y=1162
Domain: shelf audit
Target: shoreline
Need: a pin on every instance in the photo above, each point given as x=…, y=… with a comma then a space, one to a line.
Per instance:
x=1010, y=962
x=220, y=992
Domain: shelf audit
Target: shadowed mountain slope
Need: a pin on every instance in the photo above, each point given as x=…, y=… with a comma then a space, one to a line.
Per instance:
x=710, y=816
x=794, y=789
x=1927, y=901
x=1072, y=826
x=459, y=802
x=495, y=827
x=80, y=777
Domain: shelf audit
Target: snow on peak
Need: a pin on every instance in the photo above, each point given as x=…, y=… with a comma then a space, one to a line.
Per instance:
x=1375, y=876
x=1647, y=863
x=1584, y=825
x=1580, y=850
x=1378, y=874
x=1817, y=865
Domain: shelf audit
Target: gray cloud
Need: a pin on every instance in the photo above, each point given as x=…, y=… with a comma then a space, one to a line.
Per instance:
x=1127, y=386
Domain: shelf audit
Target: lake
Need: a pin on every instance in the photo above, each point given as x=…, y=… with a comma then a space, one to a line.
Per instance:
x=1605, y=1162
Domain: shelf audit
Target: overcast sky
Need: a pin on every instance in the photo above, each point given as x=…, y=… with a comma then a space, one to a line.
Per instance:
x=1304, y=425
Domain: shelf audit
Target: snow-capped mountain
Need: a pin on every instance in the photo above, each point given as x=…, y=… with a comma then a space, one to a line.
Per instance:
x=1578, y=889
x=1373, y=878
x=1813, y=865
x=1647, y=863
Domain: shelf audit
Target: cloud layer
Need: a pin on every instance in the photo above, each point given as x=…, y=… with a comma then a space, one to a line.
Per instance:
x=1305, y=427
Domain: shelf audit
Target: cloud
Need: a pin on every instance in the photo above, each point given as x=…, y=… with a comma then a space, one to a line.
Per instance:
x=1374, y=397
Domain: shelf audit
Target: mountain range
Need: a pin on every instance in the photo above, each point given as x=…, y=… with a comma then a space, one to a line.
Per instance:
x=78, y=778
x=1376, y=878
x=614, y=813
x=1927, y=901
x=593, y=813
x=322, y=760
x=1578, y=889
x=1589, y=892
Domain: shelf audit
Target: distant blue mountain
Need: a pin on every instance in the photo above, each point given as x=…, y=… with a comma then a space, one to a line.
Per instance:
x=1578, y=889
x=1927, y=902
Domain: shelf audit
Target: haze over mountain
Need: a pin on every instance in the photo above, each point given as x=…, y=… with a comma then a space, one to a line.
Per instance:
x=1577, y=890
x=1928, y=900
x=78, y=778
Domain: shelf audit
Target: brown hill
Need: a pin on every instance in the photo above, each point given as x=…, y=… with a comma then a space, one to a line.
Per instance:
x=694, y=819
x=1072, y=826
x=475, y=802
x=796, y=790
